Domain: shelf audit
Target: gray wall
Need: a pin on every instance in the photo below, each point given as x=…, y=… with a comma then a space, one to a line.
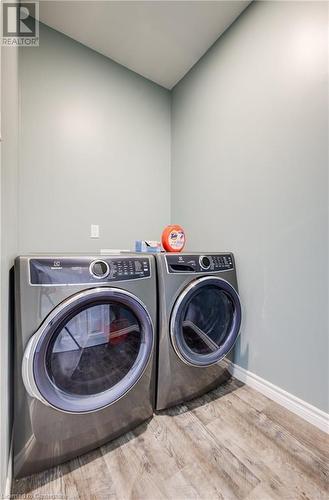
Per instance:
x=95, y=149
x=8, y=247
x=249, y=174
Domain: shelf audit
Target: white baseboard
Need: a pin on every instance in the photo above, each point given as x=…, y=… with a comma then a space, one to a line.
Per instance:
x=304, y=410
x=7, y=492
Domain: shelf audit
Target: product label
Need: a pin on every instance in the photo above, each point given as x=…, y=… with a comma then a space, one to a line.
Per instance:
x=176, y=240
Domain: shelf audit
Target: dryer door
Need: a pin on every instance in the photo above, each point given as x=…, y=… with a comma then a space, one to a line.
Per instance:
x=90, y=351
x=205, y=321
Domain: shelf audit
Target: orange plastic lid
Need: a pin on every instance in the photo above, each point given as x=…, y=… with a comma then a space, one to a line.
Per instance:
x=173, y=238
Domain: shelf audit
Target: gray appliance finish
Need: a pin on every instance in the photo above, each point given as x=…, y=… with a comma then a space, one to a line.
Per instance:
x=84, y=353
x=199, y=323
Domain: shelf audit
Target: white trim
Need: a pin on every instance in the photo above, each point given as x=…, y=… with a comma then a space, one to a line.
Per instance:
x=7, y=492
x=301, y=408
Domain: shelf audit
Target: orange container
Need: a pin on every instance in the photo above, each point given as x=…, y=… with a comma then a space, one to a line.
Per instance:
x=173, y=238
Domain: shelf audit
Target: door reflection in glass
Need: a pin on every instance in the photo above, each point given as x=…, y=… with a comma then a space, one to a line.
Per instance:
x=207, y=320
x=95, y=349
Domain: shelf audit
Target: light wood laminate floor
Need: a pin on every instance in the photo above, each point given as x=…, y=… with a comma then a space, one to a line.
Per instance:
x=232, y=443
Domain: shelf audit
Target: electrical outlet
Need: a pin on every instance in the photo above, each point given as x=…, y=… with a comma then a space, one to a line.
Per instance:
x=94, y=231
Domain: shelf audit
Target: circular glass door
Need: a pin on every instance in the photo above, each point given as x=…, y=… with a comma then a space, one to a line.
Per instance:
x=205, y=321
x=92, y=350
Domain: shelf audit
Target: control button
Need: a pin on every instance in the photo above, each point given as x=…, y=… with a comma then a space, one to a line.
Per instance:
x=138, y=266
x=99, y=269
x=205, y=262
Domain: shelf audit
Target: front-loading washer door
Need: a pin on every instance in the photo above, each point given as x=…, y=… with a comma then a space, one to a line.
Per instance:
x=205, y=321
x=90, y=351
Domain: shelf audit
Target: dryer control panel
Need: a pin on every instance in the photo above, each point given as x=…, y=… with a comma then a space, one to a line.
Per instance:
x=185, y=263
x=81, y=271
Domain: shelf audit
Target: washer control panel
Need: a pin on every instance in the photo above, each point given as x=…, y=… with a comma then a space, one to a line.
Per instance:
x=185, y=263
x=80, y=271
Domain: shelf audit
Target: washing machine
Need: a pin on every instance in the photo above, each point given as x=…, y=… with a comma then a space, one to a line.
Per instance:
x=199, y=323
x=84, y=354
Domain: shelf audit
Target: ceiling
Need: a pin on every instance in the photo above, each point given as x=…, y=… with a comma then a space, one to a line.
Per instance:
x=160, y=40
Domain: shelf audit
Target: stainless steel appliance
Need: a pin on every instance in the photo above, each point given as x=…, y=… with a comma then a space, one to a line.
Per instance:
x=84, y=353
x=199, y=323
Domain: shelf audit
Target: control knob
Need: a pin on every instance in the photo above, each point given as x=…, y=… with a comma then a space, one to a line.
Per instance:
x=205, y=262
x=99, y=269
